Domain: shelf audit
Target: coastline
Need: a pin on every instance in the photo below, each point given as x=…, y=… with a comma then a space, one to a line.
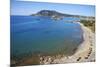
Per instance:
x=84, y=53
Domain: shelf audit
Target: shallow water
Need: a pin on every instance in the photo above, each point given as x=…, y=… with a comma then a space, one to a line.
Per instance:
x=38, y=34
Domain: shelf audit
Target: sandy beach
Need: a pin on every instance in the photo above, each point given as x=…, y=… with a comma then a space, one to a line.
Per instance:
x=84, y=53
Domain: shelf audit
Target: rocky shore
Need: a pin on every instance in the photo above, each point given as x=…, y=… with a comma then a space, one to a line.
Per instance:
x=84, y=53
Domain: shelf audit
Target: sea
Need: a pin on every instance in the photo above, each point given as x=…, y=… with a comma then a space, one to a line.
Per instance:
x=44, y=35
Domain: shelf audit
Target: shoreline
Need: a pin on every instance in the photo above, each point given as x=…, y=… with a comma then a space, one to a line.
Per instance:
x=84, y=53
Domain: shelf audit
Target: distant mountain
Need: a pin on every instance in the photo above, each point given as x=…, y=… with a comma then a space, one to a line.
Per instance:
x=58, y=15
x=50, y=13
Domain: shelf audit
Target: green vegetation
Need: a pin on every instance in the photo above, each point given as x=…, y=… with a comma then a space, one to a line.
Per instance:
x=89, y=23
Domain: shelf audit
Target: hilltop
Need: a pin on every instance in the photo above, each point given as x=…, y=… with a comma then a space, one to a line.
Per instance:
x=55, y=14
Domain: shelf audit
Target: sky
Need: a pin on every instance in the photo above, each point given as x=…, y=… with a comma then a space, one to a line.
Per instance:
x=28, y=8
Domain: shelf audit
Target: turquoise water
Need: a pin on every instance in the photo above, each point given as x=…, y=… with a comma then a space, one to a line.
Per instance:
x=38, y=34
